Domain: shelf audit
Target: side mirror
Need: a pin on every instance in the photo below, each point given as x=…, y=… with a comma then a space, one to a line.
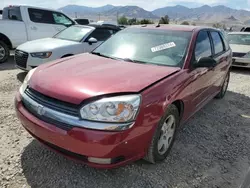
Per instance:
x=92, y=40
x=206, y=62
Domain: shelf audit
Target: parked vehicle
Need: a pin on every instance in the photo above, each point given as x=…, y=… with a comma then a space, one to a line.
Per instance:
x=124, y=101
x=240, y=44
x=82, y=21
x=73, y=40
x=20, y=24
x=245, y=29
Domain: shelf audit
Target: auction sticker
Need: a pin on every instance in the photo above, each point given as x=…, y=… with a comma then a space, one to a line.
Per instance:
x=163, y=47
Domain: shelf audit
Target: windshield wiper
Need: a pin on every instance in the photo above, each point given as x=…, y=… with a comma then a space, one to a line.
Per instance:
x=100, y=54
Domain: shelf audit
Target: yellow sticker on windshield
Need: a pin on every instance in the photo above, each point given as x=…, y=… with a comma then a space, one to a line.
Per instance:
x=163, y=47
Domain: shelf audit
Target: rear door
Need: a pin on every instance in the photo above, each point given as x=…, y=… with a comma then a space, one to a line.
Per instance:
x=100, y=34
x=44, y=23
x=222, y=55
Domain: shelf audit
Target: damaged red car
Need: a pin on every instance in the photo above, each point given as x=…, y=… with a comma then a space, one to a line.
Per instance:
x=125, y=100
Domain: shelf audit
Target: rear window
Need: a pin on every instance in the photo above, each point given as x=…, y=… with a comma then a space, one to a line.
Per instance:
x=12, y=13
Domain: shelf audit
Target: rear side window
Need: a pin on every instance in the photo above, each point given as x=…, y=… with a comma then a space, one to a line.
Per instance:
x=203, y=45
x=12, y=13
x=100, y=34
x=41, y=16
x=225, y=39
x=218, y=44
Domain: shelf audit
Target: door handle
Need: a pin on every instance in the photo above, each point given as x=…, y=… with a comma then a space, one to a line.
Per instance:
x=33, y=28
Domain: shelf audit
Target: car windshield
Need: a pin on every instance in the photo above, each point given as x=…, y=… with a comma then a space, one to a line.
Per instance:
x=243, y=39
x=147, y=46
x=73, y=33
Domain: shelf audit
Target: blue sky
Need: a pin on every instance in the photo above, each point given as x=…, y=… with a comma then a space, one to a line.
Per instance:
x=146, y=4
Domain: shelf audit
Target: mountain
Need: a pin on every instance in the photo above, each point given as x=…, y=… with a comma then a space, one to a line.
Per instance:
x=109, y=11
x=204, y=13
x=72, y=9
x=131, y=12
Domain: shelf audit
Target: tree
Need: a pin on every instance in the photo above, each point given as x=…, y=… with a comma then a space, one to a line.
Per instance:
x=123, y=20
x=132, y=21
x=185, y=23
x=146, y=21
x=194, y=24
x=164, y=20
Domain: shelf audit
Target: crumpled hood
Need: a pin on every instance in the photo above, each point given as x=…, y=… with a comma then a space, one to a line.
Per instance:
x=76, y=78
x=45, y=45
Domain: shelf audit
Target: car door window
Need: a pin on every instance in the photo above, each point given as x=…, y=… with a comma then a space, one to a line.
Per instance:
x=59, y=18
x=41, y=16
x=100, y=34
x=217, y=41
x=203, y=46
x=12, y=13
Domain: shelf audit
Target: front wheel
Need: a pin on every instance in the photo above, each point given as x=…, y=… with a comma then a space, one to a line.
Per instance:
x=164, y=136
x=224, y=87
x=4, y=52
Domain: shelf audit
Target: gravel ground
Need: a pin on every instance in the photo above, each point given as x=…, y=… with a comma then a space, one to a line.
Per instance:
x=211, y=150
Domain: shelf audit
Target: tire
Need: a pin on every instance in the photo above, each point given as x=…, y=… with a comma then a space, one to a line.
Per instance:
x=223, y=87
x=4, y=52
x=154, y=154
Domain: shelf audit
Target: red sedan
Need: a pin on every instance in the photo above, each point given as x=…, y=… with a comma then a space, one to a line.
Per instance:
x=125, y=100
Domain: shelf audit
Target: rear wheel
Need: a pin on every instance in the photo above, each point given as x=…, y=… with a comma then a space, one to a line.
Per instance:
x=164, y=136
x=4, y=52
x=224, y=87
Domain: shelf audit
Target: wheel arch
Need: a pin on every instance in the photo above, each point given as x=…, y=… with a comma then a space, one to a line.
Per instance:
x=180, y=106
x=6, y=40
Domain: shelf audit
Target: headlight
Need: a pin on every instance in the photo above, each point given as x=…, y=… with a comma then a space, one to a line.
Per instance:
x=41, y=55
x=118, y=109
x=247, y=55
x=26, y=81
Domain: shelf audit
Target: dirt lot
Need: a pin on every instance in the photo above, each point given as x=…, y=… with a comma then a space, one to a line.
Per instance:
x=212, y=149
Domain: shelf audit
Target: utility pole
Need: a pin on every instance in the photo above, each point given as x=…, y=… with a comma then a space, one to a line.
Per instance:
x=99, y=16
x=117, y=16
x=76, y=14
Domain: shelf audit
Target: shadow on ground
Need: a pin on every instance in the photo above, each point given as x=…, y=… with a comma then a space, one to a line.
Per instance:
x=21, y=76
x=241, y=70
x=211, y=150
x=8, y=65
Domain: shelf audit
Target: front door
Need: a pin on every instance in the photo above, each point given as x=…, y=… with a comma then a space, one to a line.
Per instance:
x=45, y=23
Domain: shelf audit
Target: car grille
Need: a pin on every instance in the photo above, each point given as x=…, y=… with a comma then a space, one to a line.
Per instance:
x=236, y=54
x=21, y=58
x=54, y=104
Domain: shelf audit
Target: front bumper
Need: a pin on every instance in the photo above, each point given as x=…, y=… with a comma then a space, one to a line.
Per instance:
x=81, y=143
x=29, y=62
x=241, y=62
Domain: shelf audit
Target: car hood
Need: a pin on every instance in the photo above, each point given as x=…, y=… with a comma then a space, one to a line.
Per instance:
x=46, y=44
x=76, y=78
x=240, y=48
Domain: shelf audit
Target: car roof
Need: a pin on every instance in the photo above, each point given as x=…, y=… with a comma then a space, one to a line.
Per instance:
x=239, y=33
x=105, y=26
x=34, y=7
x=83, y=26
x=172, y=27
